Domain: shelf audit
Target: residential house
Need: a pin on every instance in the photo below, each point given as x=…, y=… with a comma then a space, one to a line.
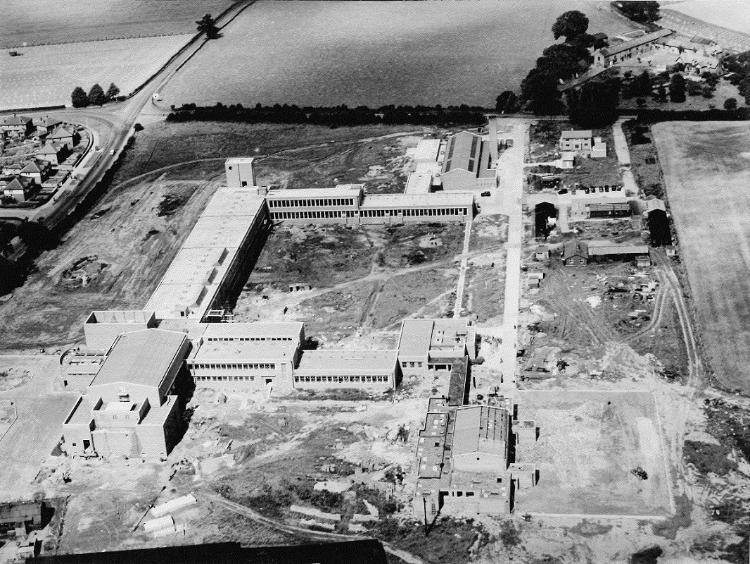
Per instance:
x=64, y=136
x=17, y=126
x=628, y=50
x=52, y=152
x=20, y=189
x=47, y=124
x=567, y=160
x=574, y=254
x=36, y=170
x=577, y=141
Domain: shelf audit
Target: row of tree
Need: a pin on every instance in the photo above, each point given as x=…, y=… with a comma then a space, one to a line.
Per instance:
x=333, y=116
x=96, y=96
x=639, y=10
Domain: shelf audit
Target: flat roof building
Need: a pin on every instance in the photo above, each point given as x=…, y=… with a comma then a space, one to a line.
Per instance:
x=435, y=344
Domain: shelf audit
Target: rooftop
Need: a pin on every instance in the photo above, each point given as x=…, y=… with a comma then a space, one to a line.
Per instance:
x=120, y=316
x=415, y=337
x=577, y=134
x=263, y=329
x=463, y=152
x=604, y=247
x=248, y=351
x=433, y=199
x=642, y=40
x=426, y=150
x=343, y=360
x=344, y=191
x=142, y=357
x=480, y=428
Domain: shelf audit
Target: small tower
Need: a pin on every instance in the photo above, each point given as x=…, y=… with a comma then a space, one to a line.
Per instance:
x=240, y=172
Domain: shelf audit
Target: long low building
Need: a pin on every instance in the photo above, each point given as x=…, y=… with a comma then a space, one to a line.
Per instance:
x=435, y=344
x=351, y=206
x=213, y=257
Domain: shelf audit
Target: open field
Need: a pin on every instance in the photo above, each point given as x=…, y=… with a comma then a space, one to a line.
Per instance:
x=732, y=14
x=706, y=175
x=121, y=248
x=312, y=155
x=402, y=53
x=46, y=75
x=45, y=22
x=589, y=442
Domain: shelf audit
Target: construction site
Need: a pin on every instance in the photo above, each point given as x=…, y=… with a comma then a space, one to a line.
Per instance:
x=462, y=386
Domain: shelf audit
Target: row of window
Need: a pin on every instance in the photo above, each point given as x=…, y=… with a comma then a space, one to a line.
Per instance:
x=405, y=364
x=315, y=202
x=311, y=215
x=341, y=379
x=224, y=378
x=410, y=212
x=213, y=339
x=234, y=366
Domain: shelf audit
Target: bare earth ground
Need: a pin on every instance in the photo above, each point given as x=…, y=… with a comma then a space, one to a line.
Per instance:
x=706, y=173
x=132, y=247
x=45, y=22
x=46, y=75
x=589, y=442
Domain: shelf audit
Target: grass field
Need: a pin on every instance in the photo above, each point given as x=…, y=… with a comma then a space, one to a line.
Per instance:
x=45, y=22
x=377, y=53
x=588, y=444
x=46, y=75
x=707, y=171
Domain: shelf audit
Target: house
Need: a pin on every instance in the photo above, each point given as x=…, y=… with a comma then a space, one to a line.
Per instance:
x=20, y=189
x=64, y=136
x=599, y=149
x=468, y=163
x=20, y=515
x=17, y=126
x=541, y=253
x=574, y=254
x=47, y=124
x=52, y=153
x=36, y=170
x=627, y=50
x=13, y=169
x=578, y=141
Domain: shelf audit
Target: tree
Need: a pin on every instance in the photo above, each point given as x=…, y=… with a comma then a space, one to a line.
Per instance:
x=693, y=88
x=642, y=85
x=507, y=102
x=79, y=98
x=708, y=92
x=539, y=89
x=96, y=95
x=730, y=104
x=112, y=91
x=745, y=89
x=677, y=88
x=570, y=25
x=595, y=103
x=207, y=25
x=644, y=12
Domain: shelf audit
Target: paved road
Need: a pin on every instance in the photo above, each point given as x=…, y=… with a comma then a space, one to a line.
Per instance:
x=462, y=271
x=623, y=157
x=510, y=177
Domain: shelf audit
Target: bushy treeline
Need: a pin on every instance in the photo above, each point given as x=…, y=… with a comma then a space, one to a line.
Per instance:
x=333, y=116
x=739, y=67
x=639, y=10
x=655, y=115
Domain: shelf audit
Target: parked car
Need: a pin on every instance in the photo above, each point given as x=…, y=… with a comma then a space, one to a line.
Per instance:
x=486, y=194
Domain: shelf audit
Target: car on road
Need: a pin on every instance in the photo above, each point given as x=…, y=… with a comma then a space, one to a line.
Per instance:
x=111, y=151
x=486, y=194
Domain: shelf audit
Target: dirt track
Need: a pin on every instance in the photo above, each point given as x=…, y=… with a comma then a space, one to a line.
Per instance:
x=714, y=236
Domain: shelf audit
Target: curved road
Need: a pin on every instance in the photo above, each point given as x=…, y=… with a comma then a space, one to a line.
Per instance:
x=113, y=123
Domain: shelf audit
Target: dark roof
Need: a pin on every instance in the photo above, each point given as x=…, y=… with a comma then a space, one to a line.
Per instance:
x=369, y=551
x=48, y=149
x=60, y=133
x=458, y=381
x=577, y=134
x=35, y=166
x=20, y=511
x=18, y=183
x=573, y=249
x=642, y=40
x=15, y=120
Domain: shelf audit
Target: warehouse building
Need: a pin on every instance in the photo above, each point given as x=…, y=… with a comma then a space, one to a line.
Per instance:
x=468, y=163
x=130, y=408
x=627, y=50
x=370, y=370
x=217, y=255
x=435, y=344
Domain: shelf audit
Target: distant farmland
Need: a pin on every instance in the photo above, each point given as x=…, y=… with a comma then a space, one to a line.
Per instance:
x=46, y=75
x=45, y=22
x=707, y=173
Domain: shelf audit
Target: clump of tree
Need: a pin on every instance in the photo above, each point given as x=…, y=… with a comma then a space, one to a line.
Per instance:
x=730, y=104
x=79, y=98
x=595, y=103
x=739, y=67
x=559, y=62
x=208, y=26
x=677, y=88
x=96, y=96
x=506, y=103
x=639, y=11
x=637, y=86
